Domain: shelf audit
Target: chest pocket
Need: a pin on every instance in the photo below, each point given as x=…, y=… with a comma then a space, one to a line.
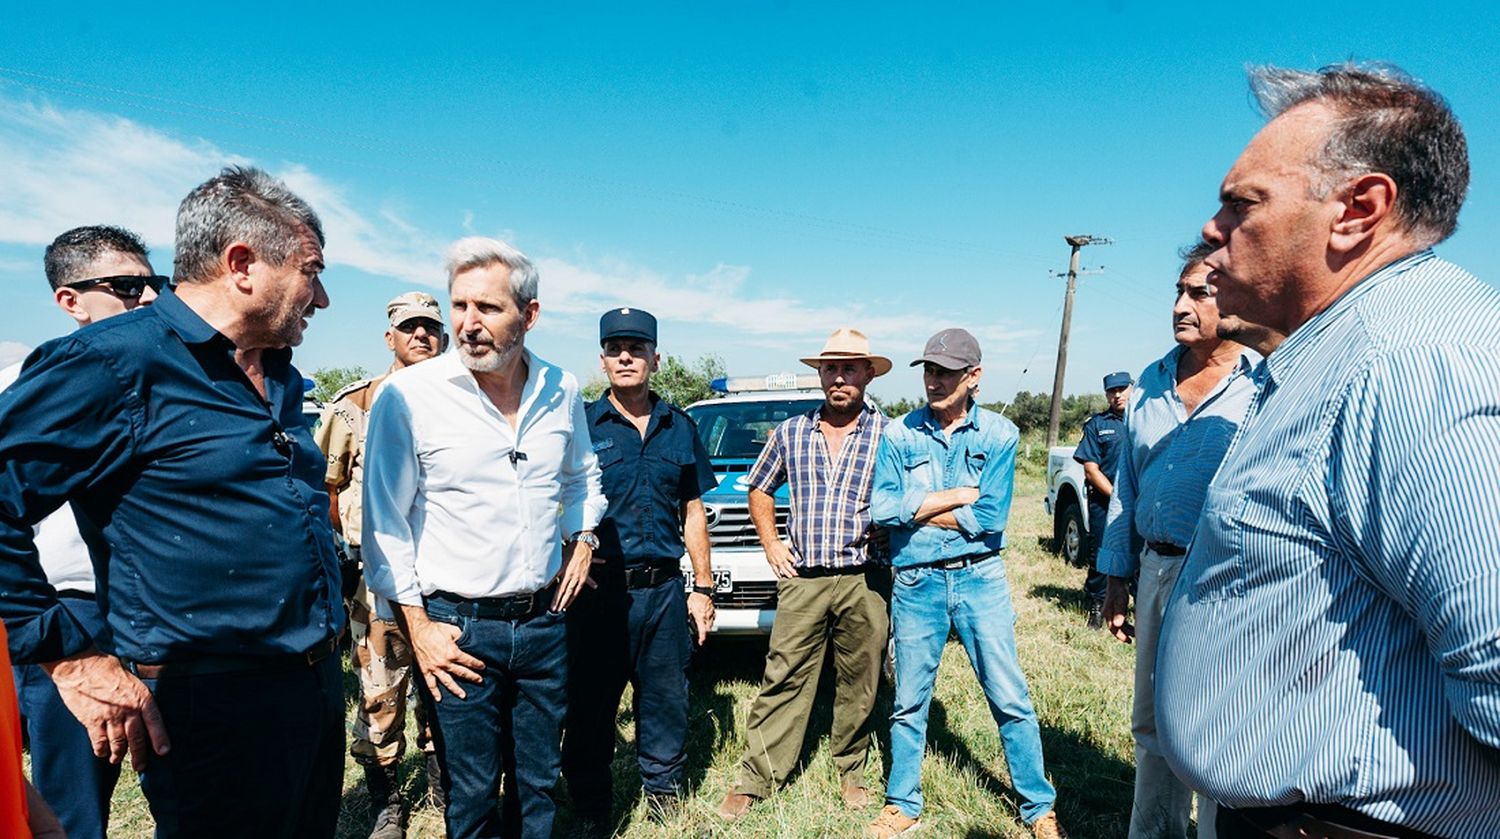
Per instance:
x=973, y=467
x=918, y=466
x=1218, y=561
x=667, y=466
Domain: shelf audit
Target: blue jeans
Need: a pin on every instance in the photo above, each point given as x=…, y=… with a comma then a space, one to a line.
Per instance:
x=975, y=603
x=64, y=770
x=510, y=725
x=617, y=636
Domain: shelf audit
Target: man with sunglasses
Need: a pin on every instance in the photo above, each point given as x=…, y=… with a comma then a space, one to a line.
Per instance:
x=381, y=653
x=176, y=433
x=96, y=272
x=1180, y=418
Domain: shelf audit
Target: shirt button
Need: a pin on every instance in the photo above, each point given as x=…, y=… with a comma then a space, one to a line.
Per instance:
x=1169, y=467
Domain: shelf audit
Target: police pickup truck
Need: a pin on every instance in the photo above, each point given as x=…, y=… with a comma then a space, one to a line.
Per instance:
x=1065, y=503
x=734, y=428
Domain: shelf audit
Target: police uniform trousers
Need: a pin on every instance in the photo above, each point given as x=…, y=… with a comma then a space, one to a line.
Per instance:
x=619, y=635
x=1095, y=584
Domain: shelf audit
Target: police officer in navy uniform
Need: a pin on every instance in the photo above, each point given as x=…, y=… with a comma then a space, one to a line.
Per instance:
x=1099, y=452
x=639, y=624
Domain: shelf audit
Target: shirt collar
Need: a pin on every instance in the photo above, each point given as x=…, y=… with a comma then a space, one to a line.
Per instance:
x=971, y=419
x=1286, y=357
x=865, y=413
x=661, y=412
x=181, y=318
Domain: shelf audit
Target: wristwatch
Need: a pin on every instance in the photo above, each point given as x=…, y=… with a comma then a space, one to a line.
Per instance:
x=707, y=591
x=588, y=538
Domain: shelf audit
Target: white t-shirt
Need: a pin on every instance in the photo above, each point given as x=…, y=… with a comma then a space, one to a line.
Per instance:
x=65, y=557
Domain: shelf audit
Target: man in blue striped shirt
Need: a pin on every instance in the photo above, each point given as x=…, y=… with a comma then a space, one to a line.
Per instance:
x=1179, y=420
x=1330, y=657
x=833, y=586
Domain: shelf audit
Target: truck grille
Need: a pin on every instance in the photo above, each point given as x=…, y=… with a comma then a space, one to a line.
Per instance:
x=730, y=526
x=750, y=595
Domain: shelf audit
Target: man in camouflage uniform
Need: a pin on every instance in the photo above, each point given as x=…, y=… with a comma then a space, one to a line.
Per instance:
x=382, y=656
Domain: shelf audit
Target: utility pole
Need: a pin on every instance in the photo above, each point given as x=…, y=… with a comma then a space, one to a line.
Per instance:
x=1055, y=415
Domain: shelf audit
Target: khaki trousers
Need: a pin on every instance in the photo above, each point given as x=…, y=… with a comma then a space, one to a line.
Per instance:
x=1161, y=801
x=851, y=611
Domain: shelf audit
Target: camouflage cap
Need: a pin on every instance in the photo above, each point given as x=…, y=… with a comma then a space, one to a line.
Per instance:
x=413, y=305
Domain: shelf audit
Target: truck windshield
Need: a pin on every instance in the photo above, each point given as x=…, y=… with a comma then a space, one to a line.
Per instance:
x=740, y=429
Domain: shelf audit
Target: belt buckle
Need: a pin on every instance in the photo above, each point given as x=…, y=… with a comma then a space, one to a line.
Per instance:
x=953, y=564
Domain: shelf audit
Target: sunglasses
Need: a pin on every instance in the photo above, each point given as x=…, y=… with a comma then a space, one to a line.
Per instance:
x=125, y=287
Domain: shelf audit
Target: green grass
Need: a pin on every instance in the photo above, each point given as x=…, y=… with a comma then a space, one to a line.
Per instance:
x=1080, y=682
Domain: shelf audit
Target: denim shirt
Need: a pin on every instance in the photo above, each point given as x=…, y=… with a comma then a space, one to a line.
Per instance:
x=203, y=503
x=916, y=458
x=647, y=480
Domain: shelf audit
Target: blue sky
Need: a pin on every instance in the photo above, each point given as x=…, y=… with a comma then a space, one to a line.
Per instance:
x=755, y=174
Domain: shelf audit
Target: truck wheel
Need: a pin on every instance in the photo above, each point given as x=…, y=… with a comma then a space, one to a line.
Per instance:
x=1072, y=535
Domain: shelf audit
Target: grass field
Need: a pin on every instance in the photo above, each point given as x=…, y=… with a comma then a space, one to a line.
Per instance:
x=1080, y=683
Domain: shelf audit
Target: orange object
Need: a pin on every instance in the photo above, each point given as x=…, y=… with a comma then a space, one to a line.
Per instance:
x=13, y=814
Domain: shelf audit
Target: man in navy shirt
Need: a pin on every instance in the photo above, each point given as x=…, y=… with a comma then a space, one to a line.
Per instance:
x=1099, y=452
x=176, y=433
x=634, y=626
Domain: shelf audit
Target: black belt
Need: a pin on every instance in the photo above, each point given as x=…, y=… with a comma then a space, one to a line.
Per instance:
x=828, y=571
x=646, y=576
x=960, y=562
x=74, y=594
x=1166, y=549
x=1308, y=821
x=508, y=608
x=218, y=665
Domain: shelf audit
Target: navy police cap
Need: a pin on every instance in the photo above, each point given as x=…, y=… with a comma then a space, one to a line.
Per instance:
x=627, y=323
x=1114, y=380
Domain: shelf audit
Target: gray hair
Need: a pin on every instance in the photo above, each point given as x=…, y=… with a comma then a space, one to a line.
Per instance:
x=1193, y=255
x=481, y=252
x=1386, y=122
x=70, y=256
x=241, y=204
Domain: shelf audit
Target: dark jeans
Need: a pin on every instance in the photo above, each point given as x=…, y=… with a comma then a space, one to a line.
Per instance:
x=1096, y=582
x=255, y=754
x=63, y=767
x=618, y=635
x=509, y=724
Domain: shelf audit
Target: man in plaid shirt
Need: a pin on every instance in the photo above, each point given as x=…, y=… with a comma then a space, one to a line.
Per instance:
x=833, y=584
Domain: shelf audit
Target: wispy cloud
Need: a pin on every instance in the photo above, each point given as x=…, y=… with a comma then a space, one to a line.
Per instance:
x=67, y=167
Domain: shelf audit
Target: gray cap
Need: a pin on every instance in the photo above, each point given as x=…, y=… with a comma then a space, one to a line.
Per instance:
x=953, y=349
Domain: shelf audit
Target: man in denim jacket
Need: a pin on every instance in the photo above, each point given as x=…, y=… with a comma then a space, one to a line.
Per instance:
x=944, y=476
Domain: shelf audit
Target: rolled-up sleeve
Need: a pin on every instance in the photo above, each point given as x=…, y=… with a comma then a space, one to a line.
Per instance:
x=66, y=424
x=583, y=502
x=991, y=511
x=1427, y=533
x=391, y=474
x=892, y=503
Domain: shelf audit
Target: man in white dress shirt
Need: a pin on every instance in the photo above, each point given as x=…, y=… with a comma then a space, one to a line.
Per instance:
x=480, y=498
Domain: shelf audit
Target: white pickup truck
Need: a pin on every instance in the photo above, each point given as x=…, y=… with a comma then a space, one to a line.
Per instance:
x=1065, y=503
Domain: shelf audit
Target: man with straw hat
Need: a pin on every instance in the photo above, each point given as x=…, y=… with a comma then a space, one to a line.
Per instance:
x=833, y=585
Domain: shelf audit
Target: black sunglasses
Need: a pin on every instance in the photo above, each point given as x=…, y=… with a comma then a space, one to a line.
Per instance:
x=125, y=287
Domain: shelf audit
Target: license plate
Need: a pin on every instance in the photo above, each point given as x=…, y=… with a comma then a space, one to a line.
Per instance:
x=723, y=581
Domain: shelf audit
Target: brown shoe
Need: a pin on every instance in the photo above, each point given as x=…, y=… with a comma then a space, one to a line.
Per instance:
x=735, y=805
x=1047, y=827
x=856, y=796
x=891, y=822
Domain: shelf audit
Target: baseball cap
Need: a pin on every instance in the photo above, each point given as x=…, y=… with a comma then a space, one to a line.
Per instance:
x=951, y=349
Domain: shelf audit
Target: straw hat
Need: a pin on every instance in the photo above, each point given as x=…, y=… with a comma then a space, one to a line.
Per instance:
x=846, y=343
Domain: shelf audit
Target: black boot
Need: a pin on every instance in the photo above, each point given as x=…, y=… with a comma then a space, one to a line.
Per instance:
x=385, y=793
x=435, y=794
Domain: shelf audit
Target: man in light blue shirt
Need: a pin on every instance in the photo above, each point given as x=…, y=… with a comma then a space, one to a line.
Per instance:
x=944, y=476
x=1179, y=420
x=1330, y=657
